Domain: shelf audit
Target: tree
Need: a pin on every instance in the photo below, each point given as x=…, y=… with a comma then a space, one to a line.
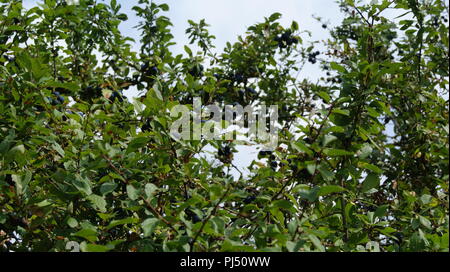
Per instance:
x=362, y=160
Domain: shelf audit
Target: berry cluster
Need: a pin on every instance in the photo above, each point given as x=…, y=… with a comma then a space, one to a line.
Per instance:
x=196, y=70
x=91, y=92
x=249, y=199
x=192, y=216
x=116, y=96
x=286, y=39
x=225, y=154
x=346, y=33
x=312, y=57
x=148, y=72
x=436, y=21
x=333, y=79
x=57, y=100
x=272, y=159
x=265, y=153
x=238, y=78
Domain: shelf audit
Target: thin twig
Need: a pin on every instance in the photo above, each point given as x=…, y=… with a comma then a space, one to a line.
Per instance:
x=213, y=212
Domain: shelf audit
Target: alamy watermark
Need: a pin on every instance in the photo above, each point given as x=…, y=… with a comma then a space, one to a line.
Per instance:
x=212, y=122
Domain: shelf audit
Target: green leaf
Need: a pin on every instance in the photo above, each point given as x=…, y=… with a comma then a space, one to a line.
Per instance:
x=188, y=50
x=310, y=194
x=316, y=242
x=3, y=218
x=326, y=97
x=164, y=7
x=372, y=181
x=94, y=248
x=282, y=203
x=275, y=16
x=329, y=189
x=19, y=149
x=381, y=211
x=107, y=187
x=98, y=202
x=149, y=226
x=370, y=167
x=311, y=167
x=132, y=192
x=328, y=139
x=365, y=151
x=336, y=152
x=342, y=112
x=72, y=222
x=22, y=182
x=326, y=174
x=58, y=149
x=150, y=189
x=129, y=220
x=82, y=184
x=426, y=199
x=301, y=147
x=337, y=67
x=88, y=234
x=425, y=222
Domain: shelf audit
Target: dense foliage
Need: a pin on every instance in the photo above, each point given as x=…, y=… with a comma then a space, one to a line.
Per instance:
x=362, y=161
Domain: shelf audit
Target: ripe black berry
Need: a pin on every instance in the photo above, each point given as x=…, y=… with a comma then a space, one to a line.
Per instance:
x=196, y=70
x=238, y=78
x=249, y=199
x=274, y=165
x=251, y=91
x=241, y=93
x=116, y=96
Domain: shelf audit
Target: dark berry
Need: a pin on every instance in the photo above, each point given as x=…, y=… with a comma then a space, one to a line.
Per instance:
x=196, y=70
x=241, y=93
x=146, y=126
x=249, y=199
x=286, y=36
x=238, y=78
x=195, y=219
x=144, y=66
x=274, y=165
x=251, y=91
x=116, y=96
x=153, y=70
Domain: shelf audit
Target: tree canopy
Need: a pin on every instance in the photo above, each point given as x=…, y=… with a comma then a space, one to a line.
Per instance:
x=362, y=156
